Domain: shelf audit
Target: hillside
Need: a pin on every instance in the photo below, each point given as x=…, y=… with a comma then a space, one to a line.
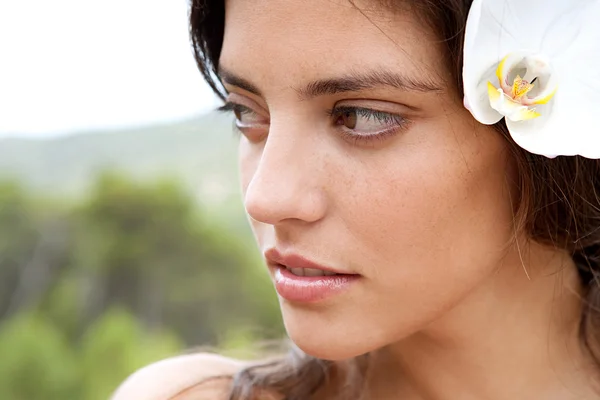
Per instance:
x=200, y=151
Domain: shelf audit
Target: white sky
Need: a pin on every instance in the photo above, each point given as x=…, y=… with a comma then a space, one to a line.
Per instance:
x=71, y=65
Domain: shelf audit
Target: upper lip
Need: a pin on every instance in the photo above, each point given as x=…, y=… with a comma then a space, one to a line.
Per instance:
x=290, y=260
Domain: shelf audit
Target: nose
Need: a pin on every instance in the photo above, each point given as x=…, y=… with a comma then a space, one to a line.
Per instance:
x=288, y=182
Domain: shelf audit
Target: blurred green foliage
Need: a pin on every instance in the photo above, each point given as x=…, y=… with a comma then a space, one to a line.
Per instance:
x=133, y=273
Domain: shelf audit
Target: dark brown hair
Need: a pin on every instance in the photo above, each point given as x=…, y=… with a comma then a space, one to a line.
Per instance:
x=558, y=204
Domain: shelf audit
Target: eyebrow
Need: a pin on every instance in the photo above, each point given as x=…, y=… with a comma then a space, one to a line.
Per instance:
x=352, y=82
x=234, y=80
x=358, y=81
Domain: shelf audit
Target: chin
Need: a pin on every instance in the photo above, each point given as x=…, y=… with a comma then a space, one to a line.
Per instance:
x=336, y=350
x=330, y=337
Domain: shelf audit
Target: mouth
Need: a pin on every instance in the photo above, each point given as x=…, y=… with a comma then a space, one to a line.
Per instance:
x=300, y=280
x=299, y=265
x=308, y=271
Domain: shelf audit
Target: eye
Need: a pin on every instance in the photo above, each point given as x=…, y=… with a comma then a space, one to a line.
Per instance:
x=365, y=123
x=245, y=117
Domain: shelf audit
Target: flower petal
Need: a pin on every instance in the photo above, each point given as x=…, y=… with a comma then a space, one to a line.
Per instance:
x=568, y=124
x=523, y=114
x=497, y=28
x=512, y=110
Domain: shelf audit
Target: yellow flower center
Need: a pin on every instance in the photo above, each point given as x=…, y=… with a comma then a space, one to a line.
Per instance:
x=513, y=100
x=520, y=88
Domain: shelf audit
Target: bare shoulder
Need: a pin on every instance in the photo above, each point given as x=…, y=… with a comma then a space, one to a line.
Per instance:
x=179, y=378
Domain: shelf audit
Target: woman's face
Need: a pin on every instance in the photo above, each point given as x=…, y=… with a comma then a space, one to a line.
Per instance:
x=357, y=154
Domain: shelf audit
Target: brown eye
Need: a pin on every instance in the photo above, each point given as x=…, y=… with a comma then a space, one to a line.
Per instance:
x=238, y=114
x=348, y=119
x=364, y=121
x=245, y=116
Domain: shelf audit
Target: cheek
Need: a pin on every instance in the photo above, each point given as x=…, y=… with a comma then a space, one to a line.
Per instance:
x=248, y=159
x=443, y=216
x=429, y=203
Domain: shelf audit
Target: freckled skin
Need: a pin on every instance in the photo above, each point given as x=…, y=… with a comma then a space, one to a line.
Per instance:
x=425, y=215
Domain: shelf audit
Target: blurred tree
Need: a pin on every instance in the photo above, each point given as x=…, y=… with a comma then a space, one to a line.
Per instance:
x=144, y=246
x=116, y=345
x=36, y=361
x=18, y=239
x=134, y=273
x=33, y=249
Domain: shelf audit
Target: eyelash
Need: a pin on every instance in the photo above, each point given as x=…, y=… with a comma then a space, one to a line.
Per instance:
x=400, y=122
x=235, y=108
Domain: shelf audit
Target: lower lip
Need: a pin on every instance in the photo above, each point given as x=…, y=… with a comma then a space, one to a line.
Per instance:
x=310, y=289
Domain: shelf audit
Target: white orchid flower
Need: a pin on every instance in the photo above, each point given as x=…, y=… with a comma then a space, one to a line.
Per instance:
x=537, y=64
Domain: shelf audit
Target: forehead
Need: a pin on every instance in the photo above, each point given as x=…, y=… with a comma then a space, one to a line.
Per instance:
x=277, y=42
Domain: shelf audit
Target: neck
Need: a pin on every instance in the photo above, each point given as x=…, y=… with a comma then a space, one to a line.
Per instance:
x=515, y=336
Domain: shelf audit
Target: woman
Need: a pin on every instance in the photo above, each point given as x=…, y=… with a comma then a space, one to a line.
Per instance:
x=422, y=179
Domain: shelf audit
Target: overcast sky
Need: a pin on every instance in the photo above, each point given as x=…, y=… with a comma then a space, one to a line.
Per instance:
x=71, y=65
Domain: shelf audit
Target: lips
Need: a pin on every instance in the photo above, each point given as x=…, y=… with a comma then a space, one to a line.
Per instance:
x=299, y=265
x=302, y=281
